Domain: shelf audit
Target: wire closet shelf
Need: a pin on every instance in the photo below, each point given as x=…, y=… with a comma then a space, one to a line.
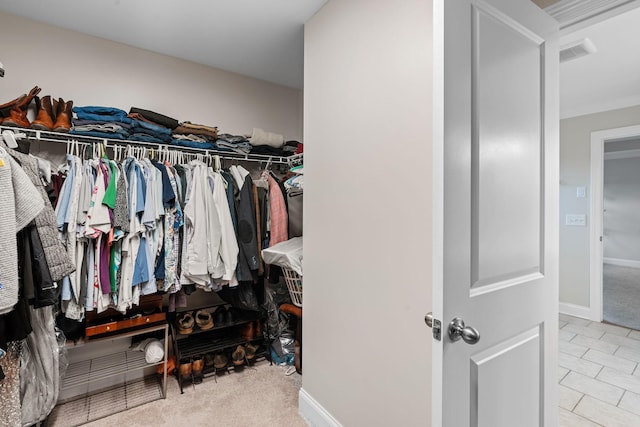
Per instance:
x=148, y=147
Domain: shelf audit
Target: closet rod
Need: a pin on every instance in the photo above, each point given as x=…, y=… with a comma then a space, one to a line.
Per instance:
x=64, y=138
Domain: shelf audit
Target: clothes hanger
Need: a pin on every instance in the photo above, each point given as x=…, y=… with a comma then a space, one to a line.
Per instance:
x=10, y=138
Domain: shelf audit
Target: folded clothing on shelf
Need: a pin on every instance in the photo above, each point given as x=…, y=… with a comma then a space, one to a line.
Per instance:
x=260, y=137
x=154, y=117
x=194, y=144
x=149, y=132
x=195, y=129
x=101, y=114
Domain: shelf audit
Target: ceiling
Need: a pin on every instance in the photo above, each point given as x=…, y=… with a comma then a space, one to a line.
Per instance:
x=264, y=39
x=609, y=78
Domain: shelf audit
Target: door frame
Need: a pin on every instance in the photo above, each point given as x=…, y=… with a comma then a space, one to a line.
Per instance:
x=596, y=228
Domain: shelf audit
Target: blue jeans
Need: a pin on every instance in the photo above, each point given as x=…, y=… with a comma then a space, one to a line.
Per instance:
x=193, y=144
x=106, y=135
x=145, y=137
x=150, y=128
x=104, y=114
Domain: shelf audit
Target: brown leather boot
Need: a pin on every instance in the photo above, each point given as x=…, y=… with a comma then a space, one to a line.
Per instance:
x=63, y=116
x=237, y=357
x=21, y=102
x=248, y=331
x=54, y=108
x=185, y=369
x=6, y=108
x=17, y=118
x=18, y=114
x=44, y=117
x=197, y=366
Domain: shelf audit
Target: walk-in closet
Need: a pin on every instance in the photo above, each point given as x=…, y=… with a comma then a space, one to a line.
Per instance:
x=151, y=237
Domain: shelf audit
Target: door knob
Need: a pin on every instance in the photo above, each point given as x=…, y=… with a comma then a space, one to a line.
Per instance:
x=458, y=330
x=428, y=319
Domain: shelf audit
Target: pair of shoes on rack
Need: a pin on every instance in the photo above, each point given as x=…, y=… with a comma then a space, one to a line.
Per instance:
x=186, y=321
x=191, y=369
x=52, y=114
x=224, y=315
x=252, y=330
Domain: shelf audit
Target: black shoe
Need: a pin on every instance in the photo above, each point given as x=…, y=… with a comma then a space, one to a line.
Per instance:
x=232, y=314
x=220, y=315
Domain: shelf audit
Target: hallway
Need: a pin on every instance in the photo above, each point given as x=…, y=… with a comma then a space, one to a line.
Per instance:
x=599, y=375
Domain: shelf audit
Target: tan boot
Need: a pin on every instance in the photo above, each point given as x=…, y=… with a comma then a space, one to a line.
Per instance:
x=197, y=366
x=8, y=106
x=44, y=117
x=185, y=369
x=17, y=118
x=18, y=114
x=237, y=357
x=63, y=116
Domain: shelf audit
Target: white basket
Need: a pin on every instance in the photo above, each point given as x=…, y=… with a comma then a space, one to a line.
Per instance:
x=294, y=284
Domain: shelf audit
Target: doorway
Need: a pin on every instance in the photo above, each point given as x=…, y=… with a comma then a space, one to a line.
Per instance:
x=615, y=258
x=621, y=234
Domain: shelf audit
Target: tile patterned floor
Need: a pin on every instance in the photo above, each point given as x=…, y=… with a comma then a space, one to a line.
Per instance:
x=599, y=374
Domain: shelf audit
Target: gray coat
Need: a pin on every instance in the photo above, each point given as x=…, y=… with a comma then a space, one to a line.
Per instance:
x=60, y=265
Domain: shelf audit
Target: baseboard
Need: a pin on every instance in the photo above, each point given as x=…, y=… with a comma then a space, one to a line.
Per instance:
x=313, y=412
x=622, y=262
x=576, y=311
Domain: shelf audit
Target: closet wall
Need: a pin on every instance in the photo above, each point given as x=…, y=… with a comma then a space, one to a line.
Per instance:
x=367, y=214
x=94, y=71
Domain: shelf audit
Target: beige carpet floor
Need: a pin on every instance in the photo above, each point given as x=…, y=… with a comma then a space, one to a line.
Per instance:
x=259, y=396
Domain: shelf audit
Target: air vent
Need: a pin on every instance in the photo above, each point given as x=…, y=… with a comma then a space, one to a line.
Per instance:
x=577, y=49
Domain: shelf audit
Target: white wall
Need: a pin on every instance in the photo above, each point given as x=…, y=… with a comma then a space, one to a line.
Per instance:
x=575, y=149
x=367, y=247
x=622, y=210
x=94, y=71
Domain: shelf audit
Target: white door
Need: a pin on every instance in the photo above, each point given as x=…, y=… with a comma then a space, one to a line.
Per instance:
x=496, y=207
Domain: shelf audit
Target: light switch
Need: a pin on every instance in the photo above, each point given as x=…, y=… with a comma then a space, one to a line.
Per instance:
x=581, y=192
x=576, y=220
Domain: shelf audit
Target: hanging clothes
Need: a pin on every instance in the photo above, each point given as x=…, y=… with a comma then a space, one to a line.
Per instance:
x=59, y=262
x=199, y=221
x=20, y=203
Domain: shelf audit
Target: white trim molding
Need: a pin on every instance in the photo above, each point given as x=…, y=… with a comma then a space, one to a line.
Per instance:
x=598, y=139
x=575, y=310
x=622, y=262
x=313, y=412
x=624, y=154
